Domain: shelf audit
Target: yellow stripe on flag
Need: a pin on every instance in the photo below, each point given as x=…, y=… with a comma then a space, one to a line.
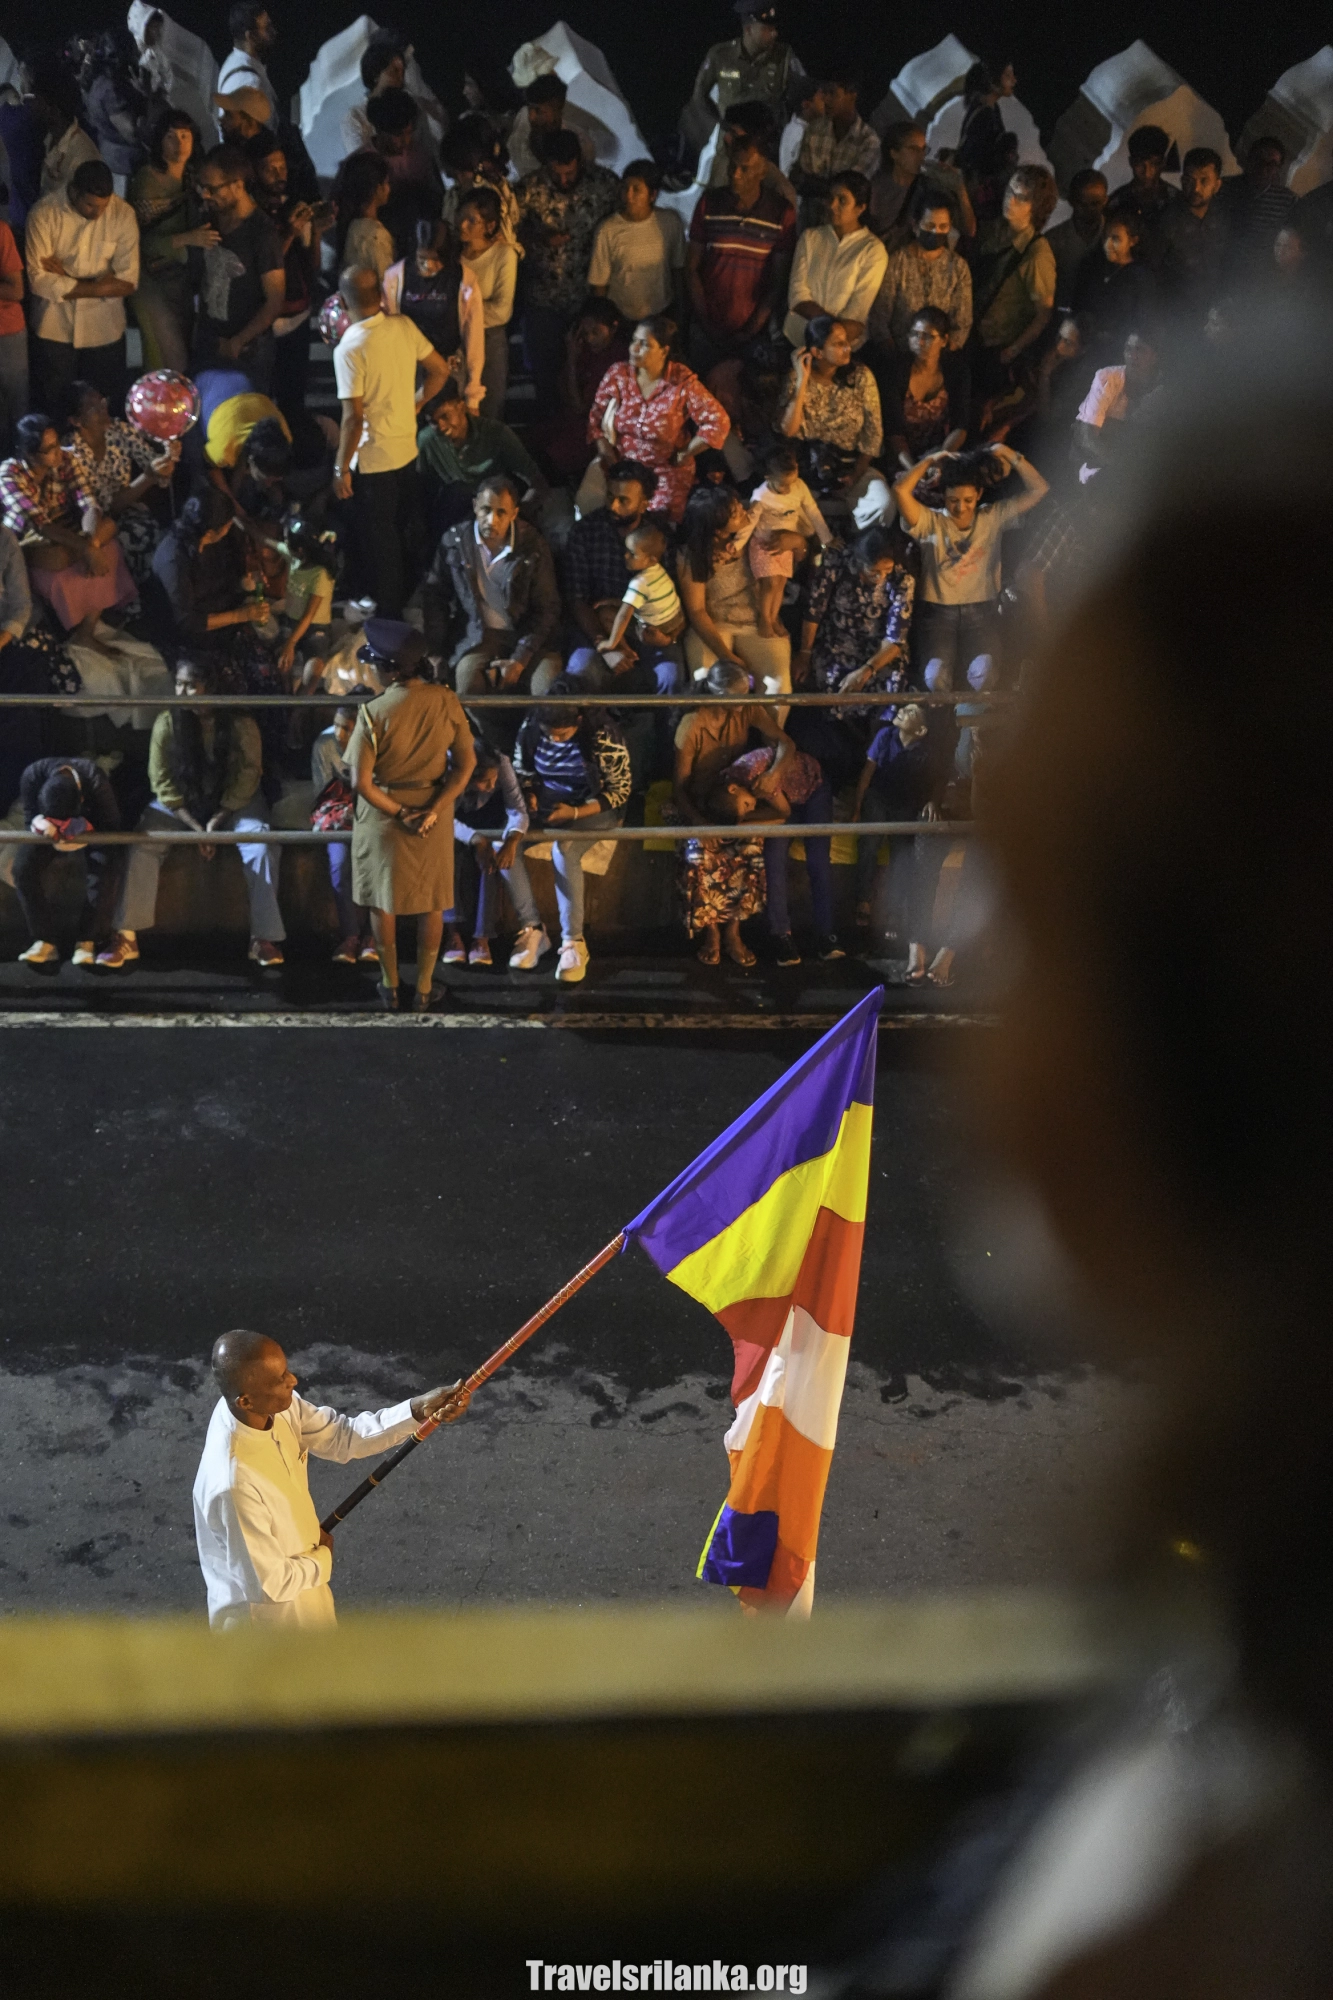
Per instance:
x=759, y=1255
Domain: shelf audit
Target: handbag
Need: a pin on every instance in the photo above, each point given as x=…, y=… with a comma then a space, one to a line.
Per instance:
x=333, y=809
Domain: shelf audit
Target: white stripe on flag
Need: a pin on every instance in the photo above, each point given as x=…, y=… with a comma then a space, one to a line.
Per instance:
x=803, y=1377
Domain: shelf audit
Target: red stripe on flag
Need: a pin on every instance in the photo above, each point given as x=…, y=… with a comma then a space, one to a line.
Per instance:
x=826, y=1287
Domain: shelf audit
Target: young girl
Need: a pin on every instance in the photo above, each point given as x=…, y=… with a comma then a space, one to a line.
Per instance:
x=650, y=595
x=783, y=503
x=312, y=559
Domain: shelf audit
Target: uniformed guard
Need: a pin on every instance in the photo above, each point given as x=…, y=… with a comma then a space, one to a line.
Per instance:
x=756, y=68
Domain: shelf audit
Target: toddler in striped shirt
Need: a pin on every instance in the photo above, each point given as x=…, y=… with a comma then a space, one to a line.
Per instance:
x=650, y=596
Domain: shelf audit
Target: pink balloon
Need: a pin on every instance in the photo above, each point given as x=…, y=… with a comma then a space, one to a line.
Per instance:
x=163, y=405
x=333, y=320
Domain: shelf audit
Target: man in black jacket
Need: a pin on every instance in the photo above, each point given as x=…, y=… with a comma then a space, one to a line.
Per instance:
x=490, y=604
x=64, y=799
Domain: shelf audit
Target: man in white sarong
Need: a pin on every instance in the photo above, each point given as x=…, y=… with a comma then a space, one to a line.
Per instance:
x=265, y=1558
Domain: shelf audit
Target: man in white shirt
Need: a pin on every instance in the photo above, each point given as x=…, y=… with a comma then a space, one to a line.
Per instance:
x=375, y=368
x=253, y=35
x=638, y=254
x=265, y=1558
x=546, y=109
x=82, y=249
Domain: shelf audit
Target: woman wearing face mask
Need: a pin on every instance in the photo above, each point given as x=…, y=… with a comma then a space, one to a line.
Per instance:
x=838, y=268
x=958, y=595
x=924, y=272
x=928, y=396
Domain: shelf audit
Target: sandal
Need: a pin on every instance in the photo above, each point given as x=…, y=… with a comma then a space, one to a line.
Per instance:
x=388, y=998
x=739, y=952
x=709, y=952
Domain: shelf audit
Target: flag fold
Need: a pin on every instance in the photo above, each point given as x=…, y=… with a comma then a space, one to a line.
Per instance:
x=765, y=1229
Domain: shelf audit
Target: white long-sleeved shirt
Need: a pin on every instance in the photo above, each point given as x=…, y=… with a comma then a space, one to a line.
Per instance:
x=841, y=275
x=86, y=249
x=495, y=274
x=254, y=1520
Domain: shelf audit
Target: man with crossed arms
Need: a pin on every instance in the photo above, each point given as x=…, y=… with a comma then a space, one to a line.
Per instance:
x=265, y=1558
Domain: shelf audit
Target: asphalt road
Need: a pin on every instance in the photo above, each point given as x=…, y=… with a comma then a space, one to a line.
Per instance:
x=390, y=1206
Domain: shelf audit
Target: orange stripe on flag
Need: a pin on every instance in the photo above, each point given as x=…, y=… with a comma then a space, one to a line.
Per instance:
x=825, y=1285
x=781, y=1472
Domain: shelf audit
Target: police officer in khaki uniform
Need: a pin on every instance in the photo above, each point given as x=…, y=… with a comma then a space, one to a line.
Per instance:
x=755, y=68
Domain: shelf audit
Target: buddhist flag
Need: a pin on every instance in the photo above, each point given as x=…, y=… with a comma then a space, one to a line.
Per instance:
x=765, y=1229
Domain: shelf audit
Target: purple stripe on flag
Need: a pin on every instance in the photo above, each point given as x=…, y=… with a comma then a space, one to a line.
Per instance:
x=795, y=1121
x=741, y=1550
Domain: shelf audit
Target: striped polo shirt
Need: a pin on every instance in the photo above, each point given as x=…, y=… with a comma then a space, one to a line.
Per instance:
x=738, y=249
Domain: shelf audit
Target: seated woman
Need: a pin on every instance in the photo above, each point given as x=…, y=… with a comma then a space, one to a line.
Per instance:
x=334, y=804
x=214, y=593
x=833, y=407
x=721, y=881
x=839, y=265
x=204, y=766
x=573, y=766
x=753, y=787
x=719, y=593
x=656, y=411
x=928, y=392
x=75, y=564
x=117, y=471
x=488, y=820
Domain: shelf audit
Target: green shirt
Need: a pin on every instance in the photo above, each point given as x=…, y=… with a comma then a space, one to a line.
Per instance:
x=240, y=780
x=489, y=446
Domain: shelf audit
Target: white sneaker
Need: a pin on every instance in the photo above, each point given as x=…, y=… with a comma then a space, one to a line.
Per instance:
x=85, y=953
x=530, y=945
x=573, y=961
x=43, y=957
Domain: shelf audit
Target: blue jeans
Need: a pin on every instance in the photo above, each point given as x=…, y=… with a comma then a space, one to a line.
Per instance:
x=567, y=858
x=661, y=670
x=819, y=867
x=352, y=919
x=477, y=895
x=954, y=633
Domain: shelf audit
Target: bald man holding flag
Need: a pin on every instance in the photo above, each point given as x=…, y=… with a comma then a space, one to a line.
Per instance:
x=265, y=1558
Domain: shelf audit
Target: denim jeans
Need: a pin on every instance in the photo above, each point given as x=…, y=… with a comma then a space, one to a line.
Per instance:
x=818, y=807
x=138, y=900
x=352, y=919
x=660, y=670
x=954, y=633
x=567, y=857
x=477, y=895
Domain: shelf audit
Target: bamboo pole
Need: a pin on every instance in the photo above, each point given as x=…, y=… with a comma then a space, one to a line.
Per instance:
x=455, y=1408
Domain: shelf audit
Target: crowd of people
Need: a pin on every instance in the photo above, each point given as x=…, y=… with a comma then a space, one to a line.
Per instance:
x=851, y=426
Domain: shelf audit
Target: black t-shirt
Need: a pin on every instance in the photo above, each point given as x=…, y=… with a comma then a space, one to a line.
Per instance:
x=231, y=288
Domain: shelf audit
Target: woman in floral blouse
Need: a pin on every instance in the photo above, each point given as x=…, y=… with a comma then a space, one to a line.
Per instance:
x=644, y=409
x=833, y=406
x=116, y=469
x=857, y=615
x=78, y=568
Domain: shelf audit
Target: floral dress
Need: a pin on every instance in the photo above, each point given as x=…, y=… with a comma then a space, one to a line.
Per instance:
x=97, y=481
x=652, y=429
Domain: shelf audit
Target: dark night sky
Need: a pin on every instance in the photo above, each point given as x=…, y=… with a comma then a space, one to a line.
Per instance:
x=1052, y=44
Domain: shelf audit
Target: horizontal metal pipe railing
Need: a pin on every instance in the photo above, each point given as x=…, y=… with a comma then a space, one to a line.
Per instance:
x=608, y=699
x=300, y=837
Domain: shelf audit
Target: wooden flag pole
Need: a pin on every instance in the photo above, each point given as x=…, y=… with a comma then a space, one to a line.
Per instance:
x=458, y=1404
